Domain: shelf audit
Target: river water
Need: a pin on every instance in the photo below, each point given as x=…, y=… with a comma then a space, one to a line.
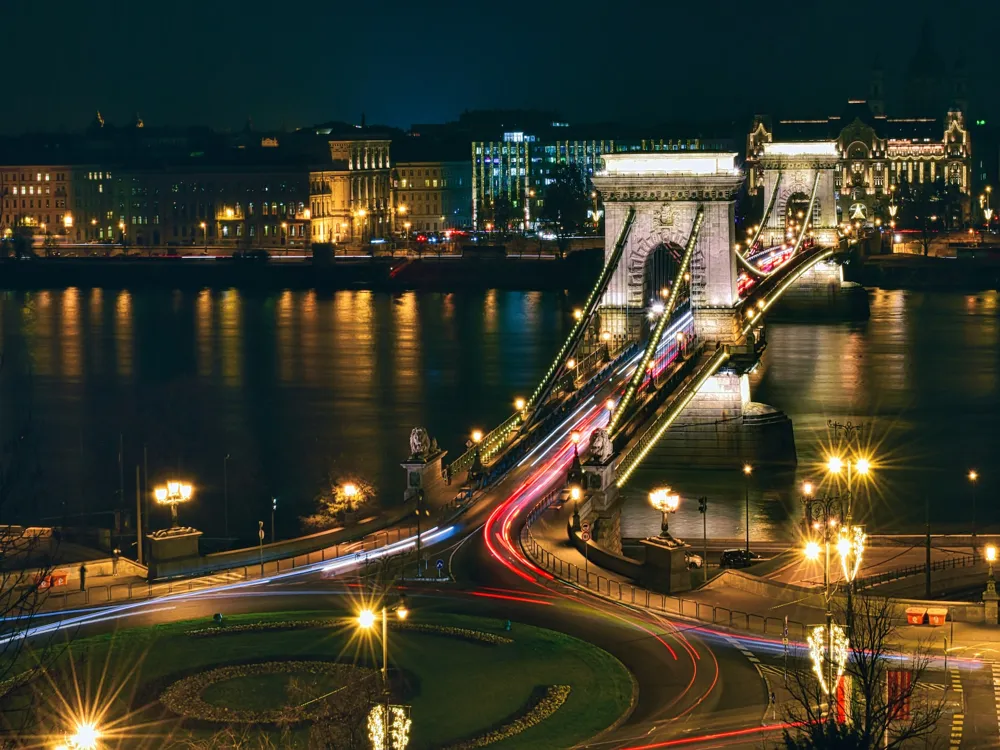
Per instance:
x=295, y=386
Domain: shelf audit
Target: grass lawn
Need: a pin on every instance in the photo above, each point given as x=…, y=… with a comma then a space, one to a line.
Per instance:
x=457, y=688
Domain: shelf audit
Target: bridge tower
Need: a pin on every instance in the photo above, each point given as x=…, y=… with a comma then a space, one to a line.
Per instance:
x=666, y=191
x=795, y=169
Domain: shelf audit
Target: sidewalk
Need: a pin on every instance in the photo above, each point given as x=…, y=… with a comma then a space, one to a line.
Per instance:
x=545, y=539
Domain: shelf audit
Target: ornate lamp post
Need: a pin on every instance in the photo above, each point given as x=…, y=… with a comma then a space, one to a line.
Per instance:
x=667, y=502
x=172, y=494
x=828, y=643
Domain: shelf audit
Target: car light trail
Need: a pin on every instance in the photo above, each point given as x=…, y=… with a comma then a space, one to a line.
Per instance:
x=122, y=610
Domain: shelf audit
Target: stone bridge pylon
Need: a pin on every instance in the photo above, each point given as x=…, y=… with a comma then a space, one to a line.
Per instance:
x=666, y=190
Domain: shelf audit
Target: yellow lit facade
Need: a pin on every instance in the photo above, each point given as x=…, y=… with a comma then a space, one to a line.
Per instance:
x=351, y=200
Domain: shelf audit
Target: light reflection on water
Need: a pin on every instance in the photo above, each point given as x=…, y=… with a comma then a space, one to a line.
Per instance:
x=289, y=384
x=293, y=383
x=922, y=372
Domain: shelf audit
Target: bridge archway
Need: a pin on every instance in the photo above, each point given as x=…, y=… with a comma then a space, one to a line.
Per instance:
x=667, y=191
x=794, y=169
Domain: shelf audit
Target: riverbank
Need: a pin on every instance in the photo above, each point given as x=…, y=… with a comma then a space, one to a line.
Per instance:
x=431, y=273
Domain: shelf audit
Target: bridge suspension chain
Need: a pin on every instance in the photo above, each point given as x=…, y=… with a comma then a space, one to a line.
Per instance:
x=760, y=228
x=607, y=273
x=661, y=326
x=805, y=226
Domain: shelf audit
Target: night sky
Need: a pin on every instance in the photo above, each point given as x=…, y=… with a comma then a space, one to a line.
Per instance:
x=288, y=64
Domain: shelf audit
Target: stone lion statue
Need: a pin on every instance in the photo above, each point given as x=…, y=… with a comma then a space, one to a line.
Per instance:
x=420, y=442
x=601, y=447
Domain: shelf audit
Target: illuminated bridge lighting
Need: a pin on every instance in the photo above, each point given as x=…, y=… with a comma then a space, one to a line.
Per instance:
x=654, y=340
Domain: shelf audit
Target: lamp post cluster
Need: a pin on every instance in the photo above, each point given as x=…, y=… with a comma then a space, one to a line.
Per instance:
x=829, y=522
x=382, y=729
x=172, y=494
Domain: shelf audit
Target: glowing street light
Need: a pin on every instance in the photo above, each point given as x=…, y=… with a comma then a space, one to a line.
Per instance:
x=349, y=489
x=85, y=736
x=609, y=404
x=973, y=480
x=519, y=404
x=477, y=436
x=747, y=471
x=667, y=502
x=578, y=314
x=860, y=465
x=173, y=494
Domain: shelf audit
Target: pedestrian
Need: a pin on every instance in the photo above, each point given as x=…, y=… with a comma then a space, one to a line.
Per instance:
x=115, y=554
x=83, y=577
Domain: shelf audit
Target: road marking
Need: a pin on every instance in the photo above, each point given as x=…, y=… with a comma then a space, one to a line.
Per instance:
x=996, y=688
x=958, y=718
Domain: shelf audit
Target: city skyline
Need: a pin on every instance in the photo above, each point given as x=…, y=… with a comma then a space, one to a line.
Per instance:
x=646, y=72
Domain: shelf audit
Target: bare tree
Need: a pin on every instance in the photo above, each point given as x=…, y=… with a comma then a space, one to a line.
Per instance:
x=26, y=561
x=888, y=706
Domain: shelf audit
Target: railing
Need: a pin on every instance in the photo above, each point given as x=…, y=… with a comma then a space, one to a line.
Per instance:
x=628, y=593
x=887, y=576
x=123, y=592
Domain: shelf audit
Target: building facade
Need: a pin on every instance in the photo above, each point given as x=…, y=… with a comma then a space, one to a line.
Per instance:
x=238, y=205
x=432, y=196
x=350, y=199
x=513, y=172
x=38, y=199
x=877, y=154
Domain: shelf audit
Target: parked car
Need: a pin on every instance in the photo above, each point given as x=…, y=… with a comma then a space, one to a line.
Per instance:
x=738, y=558
x=693, y=561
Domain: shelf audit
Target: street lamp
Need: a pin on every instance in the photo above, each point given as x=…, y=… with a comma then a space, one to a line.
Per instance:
x=973, y=479
x=667, y=502
x=172, y=494
x=747, y=471
x=519, y=404
x=204, y=231
x=860, y=465
x=366, y=621
x=85, y=736
x=828, y=643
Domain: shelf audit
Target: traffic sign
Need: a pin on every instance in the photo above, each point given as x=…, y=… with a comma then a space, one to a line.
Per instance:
x=585, y=525
x=585, y=536
x=440, y=564
x=260, y=530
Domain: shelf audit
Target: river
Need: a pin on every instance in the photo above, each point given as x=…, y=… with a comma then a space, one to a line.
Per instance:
x=297, y=386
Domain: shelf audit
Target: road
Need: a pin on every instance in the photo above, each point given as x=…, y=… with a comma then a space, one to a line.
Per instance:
x=697, y=687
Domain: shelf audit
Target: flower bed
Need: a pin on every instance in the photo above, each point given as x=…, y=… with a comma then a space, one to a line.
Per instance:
x=476, y=636
x=184, y=697
x=552, y=698
x=259, y=627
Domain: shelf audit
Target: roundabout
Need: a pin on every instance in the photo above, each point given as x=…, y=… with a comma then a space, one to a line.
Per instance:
x=299, y=679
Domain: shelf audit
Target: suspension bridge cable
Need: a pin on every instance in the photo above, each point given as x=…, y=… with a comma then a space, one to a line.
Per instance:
x=654, y=340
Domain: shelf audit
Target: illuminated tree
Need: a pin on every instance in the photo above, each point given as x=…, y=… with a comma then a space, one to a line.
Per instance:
x=338, y=496
x=888, y=707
